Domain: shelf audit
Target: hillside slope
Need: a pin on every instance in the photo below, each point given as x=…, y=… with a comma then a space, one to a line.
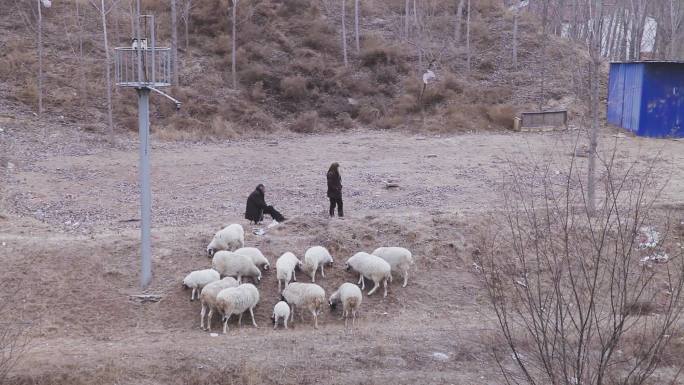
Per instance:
x=290, y=70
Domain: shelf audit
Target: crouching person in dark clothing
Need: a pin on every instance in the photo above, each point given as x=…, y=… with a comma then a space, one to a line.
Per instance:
x=257, y=207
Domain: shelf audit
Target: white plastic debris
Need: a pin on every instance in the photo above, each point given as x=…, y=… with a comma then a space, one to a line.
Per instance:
x=259, y=231
x=648, y=237
x=440, y=356
x=46, y=3
x=428, y=75
x=214, y=334
x=658, y=257
x=273, y=224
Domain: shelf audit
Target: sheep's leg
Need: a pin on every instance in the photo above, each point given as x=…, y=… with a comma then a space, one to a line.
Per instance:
x=211, y=314
x=202, y=313
x=353, y=317
x=315, y=317
x=377, y=285
x=294, y=275
x=239, y=279
x=192, y=295
x=405, y=278
x=385, y=285
x=344, y=314
x=225, y=324
x=240, y=320
x=313, y=276
x=275, y=324
x=285, y=322
x=279, y=291
x=322, y=272
x=292, y=314
x=362, y=282
x=251, y=311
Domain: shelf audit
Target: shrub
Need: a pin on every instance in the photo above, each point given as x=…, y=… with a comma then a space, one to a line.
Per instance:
x=368, y=114
x=501, y=115
x=294, y=87
x=307, y=122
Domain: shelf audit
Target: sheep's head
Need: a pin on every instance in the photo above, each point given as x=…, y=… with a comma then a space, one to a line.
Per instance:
x=210, y=252
x=333, y=305
x=267, y=266
x=347, y=266
x=282, y=298
x=273, y=318
x=298, y=266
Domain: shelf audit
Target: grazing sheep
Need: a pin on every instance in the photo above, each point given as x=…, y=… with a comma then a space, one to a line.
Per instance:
x=314, y=257
x=350, y=296
x=399, y=259
x=237, y=300
x=197, y=279
x=208, y=298
x=230, y=238
x=280, y=310
x=256, y=255
x=285, y=268
x=371, y=267
x=308, y=295
x=229, y=264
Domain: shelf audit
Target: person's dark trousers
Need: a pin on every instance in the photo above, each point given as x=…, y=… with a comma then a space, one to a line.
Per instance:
x=270, y=210
x=336, y=202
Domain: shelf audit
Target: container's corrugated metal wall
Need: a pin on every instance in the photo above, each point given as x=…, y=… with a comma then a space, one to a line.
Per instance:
x=647, y=98
x=662, y=113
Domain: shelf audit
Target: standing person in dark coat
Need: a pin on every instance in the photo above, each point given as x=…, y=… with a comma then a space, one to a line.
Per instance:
x=335, y=190
x=257, y=207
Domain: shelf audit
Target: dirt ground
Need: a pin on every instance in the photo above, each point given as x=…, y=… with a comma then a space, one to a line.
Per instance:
x=69, y=244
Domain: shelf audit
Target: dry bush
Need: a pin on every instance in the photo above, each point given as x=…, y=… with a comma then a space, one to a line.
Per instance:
x=344, y=120
x=294, y=87
x=379, y=52
x=567, y=285
x=501, y=115
x=388, y=122
x=368, y=114
x=306, y=122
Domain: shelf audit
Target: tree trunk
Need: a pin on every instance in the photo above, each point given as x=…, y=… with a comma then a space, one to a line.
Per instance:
x=81, y=64
x=595, y=52
x=468, y=53
x=110, y=123
x=344, y=33
x=415, y=13
x=233, y=55
x=459, y=21
x=174, y=42
x=40, y=59
x=186, y=22
x=515, y=41
x=356, y=26
x=406, y=19
x=542, y=56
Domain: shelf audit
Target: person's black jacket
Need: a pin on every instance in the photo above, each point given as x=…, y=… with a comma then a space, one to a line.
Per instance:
x=255, y=206
x=334, y=185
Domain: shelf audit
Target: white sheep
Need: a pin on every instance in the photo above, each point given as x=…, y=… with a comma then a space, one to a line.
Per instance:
x=237, y=300
x=350, y=297
x=197, y=279
x=208, y=298
x=399, y=259
x=280, y=310
x=229, y=264
x=230, y=238
x=314, y=257
x=371, y=267
x=257, y=257
x=285, y=268
x=308, y=295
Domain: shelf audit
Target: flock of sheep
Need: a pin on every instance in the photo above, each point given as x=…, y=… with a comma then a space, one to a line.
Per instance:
x=232, y=261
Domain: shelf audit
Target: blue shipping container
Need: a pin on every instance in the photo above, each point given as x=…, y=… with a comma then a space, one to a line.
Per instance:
x=646, y=98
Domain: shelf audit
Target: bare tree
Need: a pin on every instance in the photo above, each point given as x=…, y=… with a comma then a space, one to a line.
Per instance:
x=406, y=19
x=356, y=26
x=468, y=53
x=14, y=341
x=575, y=300
x=515, y=40
x=40, y=59
x=459, y=21
x=104, y=10
x=595, y=39
x=344, y=33
x=233, y=53
x=185, y=17
x=174, y=42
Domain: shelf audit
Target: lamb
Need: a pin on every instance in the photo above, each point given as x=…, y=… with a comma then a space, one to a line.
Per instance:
x=197, y=279
x=229, y=264
x=285, y=268
x=308, y=295
x=280, y=310
x=230, y=238
x=314, y=257
x=350, y=296
x=371, y=267
x=208, y=298
x=399, y=259
x=256, y=255
x=237, y=300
